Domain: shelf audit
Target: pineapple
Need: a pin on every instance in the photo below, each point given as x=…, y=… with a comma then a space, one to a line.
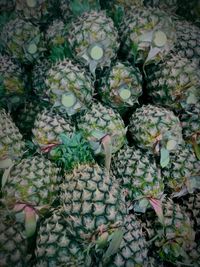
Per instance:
x=182, y=171
x=190, y=121
x=22, y=40
x=190, y=204
x=13, y=244
x=69, y=87
x=26, y=115
x=47, y=128
x=94, y=40
x=11, y=143
x=147, y=35
x=187, y=42
x=93, y=201
x=31, y=187
x=39, y=75
x=55, y=246
x=173, y=238
x=121, y=86
x=12, y=81
x=99, y=122
x=157, y=130
x=138, y=175
x=36, y=11
x=174, y=83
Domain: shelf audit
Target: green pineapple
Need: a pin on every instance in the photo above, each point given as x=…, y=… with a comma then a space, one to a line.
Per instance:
x=104, y=129
x=157, y=130
x=94, y=40
x=48, y=126
x=12, y=82
x=69, y=87
x=147, y=35
x=23, y=40
x=39, y=75
x=93, y=201
x=11, y=143
x=187, y=42
x=26, y=115
x=139, y=176
x=190, y=204
x=36, y=11
x=174, y=83
x=190, y=121
x=173, y=238
x=13, y=244
x=182, y=171
x=55, y=246
x=31, y=187
x=121, y=86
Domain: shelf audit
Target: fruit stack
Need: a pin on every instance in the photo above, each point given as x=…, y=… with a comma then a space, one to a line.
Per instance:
x=99, y=133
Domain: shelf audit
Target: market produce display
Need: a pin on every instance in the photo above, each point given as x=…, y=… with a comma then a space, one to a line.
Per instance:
x=99, y=133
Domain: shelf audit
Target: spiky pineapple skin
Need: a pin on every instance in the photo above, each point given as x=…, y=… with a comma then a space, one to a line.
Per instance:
x=11, y=143
x=99, y=121
x=121, y=76
x=92, y=200
x=190, y=120
x=150, y=125
x=66, y=78
x=187, y=42
x=90, y=30
x=138, y=173
x=55, y=246
x=133, y=247
x=174, y=83
x=182, y=167
x=26, y=115
x=38, y=12
x=13, y=244
x=23, y=40
x=12, y=76
x=174, y=233
x=138, y=34
x=38, y=77
x=48, y=126
x=56, y=33
x=32, y=181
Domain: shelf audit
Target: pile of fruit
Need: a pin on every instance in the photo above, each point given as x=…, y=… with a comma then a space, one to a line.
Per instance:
x=99, y=133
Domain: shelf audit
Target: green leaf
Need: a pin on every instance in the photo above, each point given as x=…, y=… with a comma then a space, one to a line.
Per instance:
x=6, y=174
x=30, y=221
x=164, y=157
x=196, y=150
x=115, y=243
x=107, y=145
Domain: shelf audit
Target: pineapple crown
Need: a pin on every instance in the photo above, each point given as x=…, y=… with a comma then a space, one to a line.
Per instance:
x=71, y=152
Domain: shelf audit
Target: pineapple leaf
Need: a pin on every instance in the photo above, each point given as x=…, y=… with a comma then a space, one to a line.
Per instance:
x=30, y=221
x=107, y=144
x=164, y=157
x=115, y=242
x=6, y=173
x=196, y=150
x=157, y=206
x=71, y=152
